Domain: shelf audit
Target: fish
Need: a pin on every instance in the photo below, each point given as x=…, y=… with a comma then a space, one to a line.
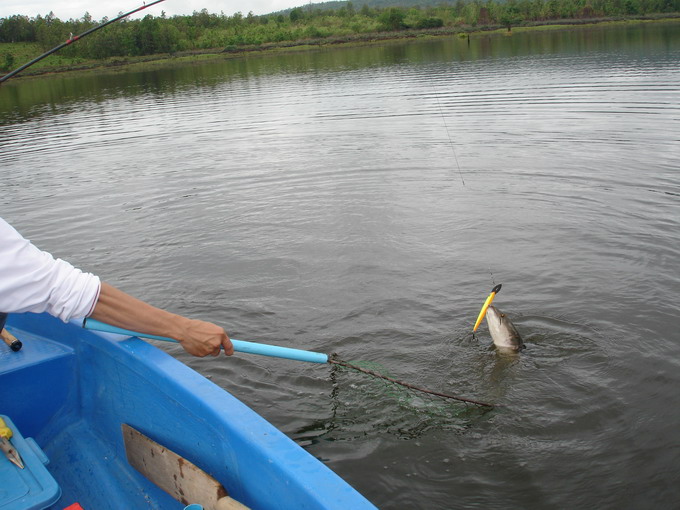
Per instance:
x=503, y=332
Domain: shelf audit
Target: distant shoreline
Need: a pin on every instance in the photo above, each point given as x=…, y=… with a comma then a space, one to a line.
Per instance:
x=159, y=60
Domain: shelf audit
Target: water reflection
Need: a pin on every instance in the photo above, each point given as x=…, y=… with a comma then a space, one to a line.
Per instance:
x=311, y=200
x=31, y=97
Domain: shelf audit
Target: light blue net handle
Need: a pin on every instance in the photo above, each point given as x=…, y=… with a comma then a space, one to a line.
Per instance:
x=274, y=351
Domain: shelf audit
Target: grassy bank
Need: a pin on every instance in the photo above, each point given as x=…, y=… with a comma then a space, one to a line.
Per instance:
x=23, y=52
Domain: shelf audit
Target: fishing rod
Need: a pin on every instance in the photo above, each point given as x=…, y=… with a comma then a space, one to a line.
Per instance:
x=74, y=38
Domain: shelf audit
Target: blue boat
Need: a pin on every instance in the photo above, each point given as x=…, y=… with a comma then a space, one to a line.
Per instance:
x=67, y=393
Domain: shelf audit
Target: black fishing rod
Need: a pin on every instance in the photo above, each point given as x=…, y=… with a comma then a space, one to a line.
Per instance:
x=73, y=39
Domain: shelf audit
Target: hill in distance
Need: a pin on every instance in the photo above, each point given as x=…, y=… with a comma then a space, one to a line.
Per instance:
x=358, y=4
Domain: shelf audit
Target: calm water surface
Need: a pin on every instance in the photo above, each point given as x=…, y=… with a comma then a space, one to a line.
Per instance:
x=364, y=201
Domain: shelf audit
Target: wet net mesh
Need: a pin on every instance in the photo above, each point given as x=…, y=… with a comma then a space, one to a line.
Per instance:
x=407, y=386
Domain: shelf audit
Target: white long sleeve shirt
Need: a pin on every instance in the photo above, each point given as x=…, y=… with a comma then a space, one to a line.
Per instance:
x=32, y=280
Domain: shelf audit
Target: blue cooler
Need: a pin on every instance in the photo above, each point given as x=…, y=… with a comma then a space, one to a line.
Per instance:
x=31, y=488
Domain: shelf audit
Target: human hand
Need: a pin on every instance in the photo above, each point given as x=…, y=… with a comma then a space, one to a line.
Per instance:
x=201, y=338
x=198, y=338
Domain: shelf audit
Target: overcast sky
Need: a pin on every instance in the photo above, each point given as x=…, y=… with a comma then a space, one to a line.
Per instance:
x=98, y=9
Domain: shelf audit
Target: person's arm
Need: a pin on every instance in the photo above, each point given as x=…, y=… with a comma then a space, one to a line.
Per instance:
x=32, y=280
x=198, y=338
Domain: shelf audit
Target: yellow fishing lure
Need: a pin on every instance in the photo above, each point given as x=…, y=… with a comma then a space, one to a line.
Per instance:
x=488, y=301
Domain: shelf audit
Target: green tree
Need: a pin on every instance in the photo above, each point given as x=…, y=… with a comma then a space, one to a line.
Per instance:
x=17, y=29
x=10, y=61
x=510, y=16
x=631, y=7
x=430, y=23
x=392, y=19
x=296, y=15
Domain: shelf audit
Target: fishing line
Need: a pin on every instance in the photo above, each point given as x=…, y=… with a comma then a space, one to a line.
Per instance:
x=74, y=38
x=448, y=133
x=331, y=360
x=493, y=279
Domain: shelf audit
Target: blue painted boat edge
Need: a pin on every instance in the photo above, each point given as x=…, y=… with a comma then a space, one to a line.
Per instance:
x=257, y=463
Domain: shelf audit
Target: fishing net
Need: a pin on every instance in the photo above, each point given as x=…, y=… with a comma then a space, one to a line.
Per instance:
x=396, y=383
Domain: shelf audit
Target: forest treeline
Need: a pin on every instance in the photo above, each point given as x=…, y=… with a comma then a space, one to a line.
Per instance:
x=204, y=30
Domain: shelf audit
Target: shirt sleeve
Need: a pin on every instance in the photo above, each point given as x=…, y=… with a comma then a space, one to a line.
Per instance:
x=32, y=280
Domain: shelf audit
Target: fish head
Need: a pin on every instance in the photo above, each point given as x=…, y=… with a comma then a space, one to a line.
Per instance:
x=503, y=332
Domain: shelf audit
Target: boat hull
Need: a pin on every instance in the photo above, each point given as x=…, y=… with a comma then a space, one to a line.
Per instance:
x=71, y=390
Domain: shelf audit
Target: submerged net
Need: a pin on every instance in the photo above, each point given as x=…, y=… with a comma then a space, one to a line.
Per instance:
x=424, y=391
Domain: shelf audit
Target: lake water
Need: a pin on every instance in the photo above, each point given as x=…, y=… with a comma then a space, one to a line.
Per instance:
x=365, y=201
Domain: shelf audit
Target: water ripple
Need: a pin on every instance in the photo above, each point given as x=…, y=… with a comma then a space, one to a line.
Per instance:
x=315, y=201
